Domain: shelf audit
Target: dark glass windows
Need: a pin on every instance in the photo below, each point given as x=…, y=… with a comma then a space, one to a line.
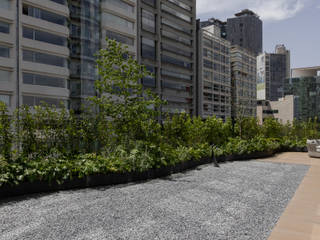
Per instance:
x=5, y=76
x=4, y=51
x=36, y=101
x=148, y=21
x=36, y=79
x=150, y=81
x=4, y=27
x=43, y=14
x=121, y=4
x=148, y=48
x=120, y=37
x=44, y=37
x=5, y=99
x=175, y=61
x=44, y=58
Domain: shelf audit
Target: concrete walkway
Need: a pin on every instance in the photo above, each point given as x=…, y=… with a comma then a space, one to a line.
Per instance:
x=301, y=219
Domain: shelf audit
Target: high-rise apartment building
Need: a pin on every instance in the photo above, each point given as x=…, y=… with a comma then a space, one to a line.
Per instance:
x=272, y=70
x=214, y=75
x=34, y=52
x=167, y=47
x=48, y=47
x=244, y=83
x=245, y=30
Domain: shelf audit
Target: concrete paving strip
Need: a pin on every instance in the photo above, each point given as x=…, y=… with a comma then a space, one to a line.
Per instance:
x=301, y=218
x=239, y=200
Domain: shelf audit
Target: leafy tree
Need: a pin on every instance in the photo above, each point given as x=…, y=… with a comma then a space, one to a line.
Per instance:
x=131, y=109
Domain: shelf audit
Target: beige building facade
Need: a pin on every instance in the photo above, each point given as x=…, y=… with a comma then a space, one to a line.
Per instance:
x=48, y=47
x=214, y=75
x=283, y=110
x=119, y=23
x=244, y=82
x=35, y=68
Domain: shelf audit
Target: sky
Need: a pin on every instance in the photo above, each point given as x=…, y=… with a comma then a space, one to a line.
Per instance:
x=295, y=23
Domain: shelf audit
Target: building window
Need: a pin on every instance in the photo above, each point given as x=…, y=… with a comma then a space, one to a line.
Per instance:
x=176, y=37
x=176, y=50
x=148, y=48
x=5, y=4
x=117, y=21
x=173, y=74
x=44, y=58
x=175, y=61
x=180, y=4
x=175, y=26
x=36, y=101
x=44, y=15
x=5, y=99
x=4, y=51
x=148, y=22
x=4, y=27
x=120, y=38
x=5, y=76
x=63, y=2
x=36, y=79
x=150, y=81
x=121, y=4
x=150, y=2
x=175, y=13
x=44, y=37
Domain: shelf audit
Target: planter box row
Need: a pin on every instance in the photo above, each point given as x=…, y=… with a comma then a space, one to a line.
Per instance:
x=121, y=178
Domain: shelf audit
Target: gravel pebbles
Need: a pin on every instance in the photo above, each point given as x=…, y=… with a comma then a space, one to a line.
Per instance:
x=239, y=200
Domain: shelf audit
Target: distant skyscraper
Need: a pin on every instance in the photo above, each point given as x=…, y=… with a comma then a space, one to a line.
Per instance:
x=245, y=30
x=272, y=70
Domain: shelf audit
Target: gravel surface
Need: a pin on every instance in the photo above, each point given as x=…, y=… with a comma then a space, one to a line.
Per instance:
x=239, y=200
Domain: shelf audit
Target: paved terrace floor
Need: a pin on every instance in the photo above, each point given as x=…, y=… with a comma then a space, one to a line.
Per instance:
x=239, y=200
x=301, y=218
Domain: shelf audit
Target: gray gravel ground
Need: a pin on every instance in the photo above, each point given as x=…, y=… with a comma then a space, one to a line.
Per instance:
x=240, y=200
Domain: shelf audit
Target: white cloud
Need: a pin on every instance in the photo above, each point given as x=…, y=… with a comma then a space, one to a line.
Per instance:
x=272, y=10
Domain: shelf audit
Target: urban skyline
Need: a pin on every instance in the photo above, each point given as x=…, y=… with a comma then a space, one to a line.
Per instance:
x=48, y=54
x=280, y=19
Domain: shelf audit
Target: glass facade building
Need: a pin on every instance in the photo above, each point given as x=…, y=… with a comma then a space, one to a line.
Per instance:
x=306, y=91
x=84, y=44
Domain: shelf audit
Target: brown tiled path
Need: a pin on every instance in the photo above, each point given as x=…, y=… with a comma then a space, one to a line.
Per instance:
x=301, y=218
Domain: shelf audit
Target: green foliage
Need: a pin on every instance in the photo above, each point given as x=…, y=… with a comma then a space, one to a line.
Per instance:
x=120, y=132
x=247, y=128
x=272, y=128
x=131, y=109
x=6, y=136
